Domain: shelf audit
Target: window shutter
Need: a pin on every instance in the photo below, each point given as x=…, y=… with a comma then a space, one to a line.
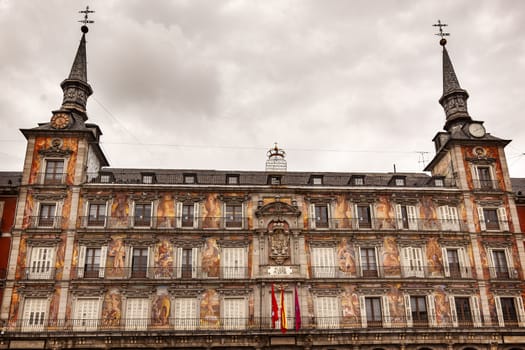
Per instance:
x=356, y=216
x=443, y=213
x=510, y=264
x=503, y=220
x=148, y=262
x=194, y=262
x=499, y=312
x=362, y=307
x=185, y=313
x=178, y=215
x=137, y=313
x=178, y=264
x=412, y=217
x=453, y=215
x=196, y=214
x=243, y=216
x=481, y=216
x=453, y=311
x=81, y=261
x=446, y=267
x=408, y=310
x=405, y=261
x=34, y=315
x=41, y=262
x=386, y=312
x=102, y=266
x=312, y=216
x=476, y=315
x=431, y=310
x=492, y=267
x=399, y=216
x=129, y=260
x=464, y=264
x=521, y=311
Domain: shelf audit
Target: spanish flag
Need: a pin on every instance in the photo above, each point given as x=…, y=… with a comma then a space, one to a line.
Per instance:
x=275, y=309
x=284, y=326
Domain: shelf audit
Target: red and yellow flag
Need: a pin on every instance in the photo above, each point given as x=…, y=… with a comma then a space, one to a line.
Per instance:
x=284, y=325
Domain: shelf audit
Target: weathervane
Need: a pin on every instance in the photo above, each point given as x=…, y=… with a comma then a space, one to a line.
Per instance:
x=442, y=34
x=86, y=21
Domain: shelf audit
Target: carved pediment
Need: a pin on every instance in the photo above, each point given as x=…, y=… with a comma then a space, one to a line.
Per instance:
x=55, y=150
x=277, y=209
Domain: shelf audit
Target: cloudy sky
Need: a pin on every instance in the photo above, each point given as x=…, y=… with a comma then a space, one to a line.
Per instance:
x=340, y=85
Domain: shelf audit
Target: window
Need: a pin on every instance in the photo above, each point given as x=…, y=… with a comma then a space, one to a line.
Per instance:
x=105, y=178
x=54, y=171
x=46, y=216
x=274, y=180
x=234, y=264
x=448, y=216
x=234, y=216
x=97, y=214
x=187, y=215
x=323, y=262
x=139, y=262
x=406, y=217
x=493, y=219
x=510, y=311
x=317, y=180
x=142, y=215
x=499, y=265
x=41, y=263
x=456, y=262
x=186, y=313
x=418, y=306
x=190, y=178
x=363, y=215
x=187, y=262
x=35, y=314
x=92, y=262
x=412, y=260
x=439, y=182
x=232, y=179
x=357, y=180
x=327, y=312
x=148, y=178
x=484, y=178
x=319, y=216
x=137, y=312
x=373, y=314
x=399, y=181
x=368, y=262
x=234, y=311
x=463, y=312
x=86, y=314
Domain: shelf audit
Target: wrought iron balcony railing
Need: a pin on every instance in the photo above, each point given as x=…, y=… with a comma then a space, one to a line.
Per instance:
x=163, y=222
x=40, y=272
x=389, y=224
x=487, y=185
x=366, y=271
x=168, y=272
x=50, y=178
x=257, y=324
x=45, y=222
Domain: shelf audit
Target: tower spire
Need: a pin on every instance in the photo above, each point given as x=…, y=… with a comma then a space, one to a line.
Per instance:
x=75, y=87
x=454, y=98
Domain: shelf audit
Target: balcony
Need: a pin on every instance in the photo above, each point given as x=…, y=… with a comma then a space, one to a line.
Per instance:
x=45, y=222
x=51, y=179
x=38, y=273
x=391, y=224
x=419, y=271
x=503, y=273
x=162, y=222
x=142, y=272
x=486, y=185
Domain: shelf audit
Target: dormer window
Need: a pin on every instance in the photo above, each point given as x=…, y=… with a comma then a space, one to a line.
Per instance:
x=232, y=179
x=274, y=180
x=190, y=178
x=397, y=180
x=105, y=178
x=148, y=178
x=316, y=180
x=400, y=182
x=439, y=182
x=357, y=180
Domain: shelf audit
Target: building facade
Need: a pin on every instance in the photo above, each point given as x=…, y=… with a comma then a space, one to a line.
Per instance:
x=138, y=258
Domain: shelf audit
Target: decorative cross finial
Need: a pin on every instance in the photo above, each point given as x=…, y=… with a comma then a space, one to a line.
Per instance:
x=86, y=21
x=442, y=34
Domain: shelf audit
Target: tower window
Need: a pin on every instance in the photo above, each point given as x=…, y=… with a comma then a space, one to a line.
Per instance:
x=274, y=180
x=54, y=171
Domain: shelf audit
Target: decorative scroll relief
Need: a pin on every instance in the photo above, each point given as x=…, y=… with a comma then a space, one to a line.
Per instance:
x=279, y=243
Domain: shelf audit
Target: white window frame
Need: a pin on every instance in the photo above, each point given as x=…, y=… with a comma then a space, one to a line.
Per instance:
x=323, y=262
x=235, y=316
x=35, y=314
x=327, y=312
x=137, y=314
x=448, y=217
x=88, y=210
x=151, y=203
x=464, y=261
x=82, y=260
x=360, y=264
x=237, y=269
x=411, y=217
x=474, y=310
x=413, y=261
x=225, y=205
x=475, y=176
x=44, y=170
x=41, y=262
x=195, y=258
x=431, y=310
x=196, y=215
x=503, y=223
x=313, y=217
x=58, y=211
x=186, y=311
x=518, y=304
x=385, y=310
x=357, y=219
x=129, y=259
x=508, y=257
x=92, y=319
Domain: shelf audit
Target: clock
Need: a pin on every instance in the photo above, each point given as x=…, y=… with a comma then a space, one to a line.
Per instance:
x=60, y=121
x=476, y=130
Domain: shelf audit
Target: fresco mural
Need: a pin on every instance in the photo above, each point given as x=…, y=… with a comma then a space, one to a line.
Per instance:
x=210, y=309
x=28, y=210
x=434, y=258
x=166, y=212
x=60, y=257
x=427, y=212
x=211, y=212
x=443, y=315
x=396, y=305
x=115, y=262
x=13, y=310
x=346, y=257
x=21, y=258
x=119, y=210
x=160, y=309
x=66, y=211
x=163, y=259
x=350, y=307
x=112, y=308
x=483, y=153
x=391, y=263
x=342, y=212
x=211, y=258
x=385, y=213
x=53, y=307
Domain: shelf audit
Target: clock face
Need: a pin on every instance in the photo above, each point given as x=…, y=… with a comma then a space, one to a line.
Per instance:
x=476, y=130
x=60, y=121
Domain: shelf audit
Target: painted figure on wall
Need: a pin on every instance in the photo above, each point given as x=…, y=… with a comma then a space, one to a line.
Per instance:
x=428, y=214
x=434, y=258
x=15, y=304
x=350, y=306
x=443, y=316
x=165, y=212
x=342, y=212
x=160, y=310
x=385, y=213
x=163, y=259
x=211, y=258
x=119, y=210
x=211, y=212
x=210, y=309
x=346, y=257
x=116, y=257
x=60, y=256
x=21, y=258
x=392, y=266
x=53, y=308
x=111, y=309
x=396, y=305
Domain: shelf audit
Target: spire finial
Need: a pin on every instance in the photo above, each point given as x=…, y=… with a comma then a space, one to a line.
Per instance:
x=442, y=34
x=86, y=21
